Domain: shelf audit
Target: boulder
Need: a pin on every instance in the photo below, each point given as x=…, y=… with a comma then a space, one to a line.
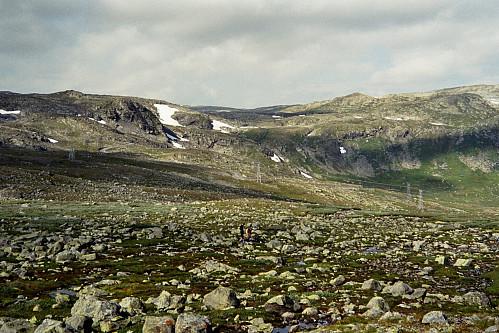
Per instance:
x=95, y=308
x=53, y=326
x=378, y=303
x=281, y=304
x=11, y=325
x=442, y=260
x=400, y=288
x=463, y=262
x=192, y=323
x=435, y=317
x=310, y=312
x=221, y=298
x=132, y=305
x=79, y=323
x=165, y=301
x=371, y=284
x=477, y=298
x=338, y=281
x=164, y=324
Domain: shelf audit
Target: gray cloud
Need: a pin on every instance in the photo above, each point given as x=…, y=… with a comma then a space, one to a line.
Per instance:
x=247, y=53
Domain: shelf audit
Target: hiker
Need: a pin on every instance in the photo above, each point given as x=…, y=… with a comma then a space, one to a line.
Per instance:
x=248, y=232
x=241, y=231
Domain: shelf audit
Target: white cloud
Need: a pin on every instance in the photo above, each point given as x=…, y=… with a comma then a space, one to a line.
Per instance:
x=247, y=53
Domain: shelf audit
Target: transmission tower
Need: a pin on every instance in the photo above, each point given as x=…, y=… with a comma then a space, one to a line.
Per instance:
x=409, y=196
x=420, y=200
x=258, y=174
x=71, y=155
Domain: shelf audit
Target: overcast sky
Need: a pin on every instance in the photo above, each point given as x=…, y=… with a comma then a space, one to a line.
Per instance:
x=247, y=53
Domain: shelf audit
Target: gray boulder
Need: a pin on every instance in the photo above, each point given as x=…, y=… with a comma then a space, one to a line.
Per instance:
x=371, y=284
x=274, y=244
x=95, y=308
x=132, y=305
x=10, y=325
x=159, y=325
x=281, y=304
x=400, y=288
x=435, y=317
x=477, y=298
x=53, y=326
x=378, y=303
x=221, y=298
x=338, y=281
x=165, y=301
x=192, y=323
x=79, y=323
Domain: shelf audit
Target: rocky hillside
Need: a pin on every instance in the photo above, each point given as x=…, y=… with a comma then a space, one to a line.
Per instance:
x=444, y=141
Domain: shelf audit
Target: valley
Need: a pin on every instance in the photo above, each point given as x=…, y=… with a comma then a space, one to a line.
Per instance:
x=368, y=214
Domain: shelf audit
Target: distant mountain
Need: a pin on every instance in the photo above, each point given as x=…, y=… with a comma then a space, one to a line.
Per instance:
x=440, y=140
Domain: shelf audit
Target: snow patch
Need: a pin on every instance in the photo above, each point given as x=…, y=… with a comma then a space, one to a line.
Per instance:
x=52, y=140
x=393, y=118
x=9, y=112
x=305, y=175
x=165, y=115
x=276, y=116
x=276, y=158
x=171, y=137
x=343, y=150
x=358, y=117
x=301, y=115
x=437, y=124
x=177, y=145
x=102, y=122
x=494, y=101
x=219, y=126
x=184, y=140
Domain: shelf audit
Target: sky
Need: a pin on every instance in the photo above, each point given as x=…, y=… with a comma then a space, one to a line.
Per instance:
x=247, y=54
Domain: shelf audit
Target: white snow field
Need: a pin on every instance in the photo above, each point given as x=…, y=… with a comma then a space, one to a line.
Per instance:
x=177, y=145
x=305, y=175
x=276, y=158
x=219, y=126
x=165, y=115
x=9, y=112
x=52, y=140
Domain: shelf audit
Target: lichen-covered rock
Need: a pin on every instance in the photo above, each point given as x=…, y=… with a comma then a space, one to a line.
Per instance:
x=164, y=324
x=435, y=317
x=132, y=305
x=11, y=325
x=165, y=301
x=53, y=326
x=378, y=303
x=477, y=298
x=192, y=323
x=338, y=281
x=281, y=304
x=400, y=288
x=463, y=262
x=221, y=298
x=371, y=284
x=79, y=323
x=95, y=308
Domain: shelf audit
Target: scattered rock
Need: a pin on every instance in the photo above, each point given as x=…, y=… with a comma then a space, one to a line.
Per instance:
x=477, y=298
x=192, y=323
x=159, y=325
x=281, y=304
x=221, y=298
x=435, y=317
